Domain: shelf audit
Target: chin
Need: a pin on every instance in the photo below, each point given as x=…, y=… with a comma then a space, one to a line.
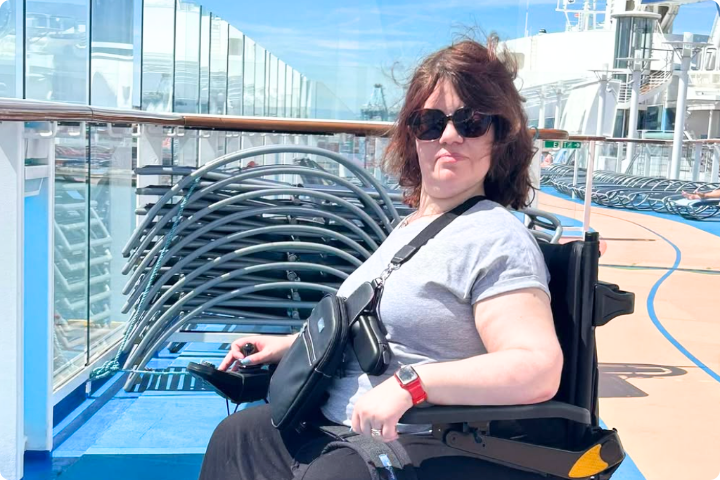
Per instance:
x=445, y=191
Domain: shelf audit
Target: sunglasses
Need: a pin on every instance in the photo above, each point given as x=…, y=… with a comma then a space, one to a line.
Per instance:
x=429, y=123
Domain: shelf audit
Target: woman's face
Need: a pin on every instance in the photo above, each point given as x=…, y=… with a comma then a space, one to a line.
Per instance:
x=453, y=165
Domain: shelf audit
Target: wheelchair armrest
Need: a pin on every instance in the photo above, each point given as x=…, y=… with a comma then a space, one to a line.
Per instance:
x=437, y=414
x=611, y=302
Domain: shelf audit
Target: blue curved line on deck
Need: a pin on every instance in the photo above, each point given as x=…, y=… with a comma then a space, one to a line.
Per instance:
x=678, y=256
x=654, y=317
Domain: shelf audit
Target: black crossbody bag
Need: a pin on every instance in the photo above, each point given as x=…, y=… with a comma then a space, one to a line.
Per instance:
x=303, y=376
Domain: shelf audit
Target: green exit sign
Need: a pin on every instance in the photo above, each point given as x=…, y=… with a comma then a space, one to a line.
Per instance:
x=558, y=144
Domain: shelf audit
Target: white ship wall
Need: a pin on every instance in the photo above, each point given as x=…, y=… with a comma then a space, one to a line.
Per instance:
x=553, y=57
x=581, y=118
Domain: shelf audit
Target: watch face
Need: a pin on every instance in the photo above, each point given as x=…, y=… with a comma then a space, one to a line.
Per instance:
x=406, y=374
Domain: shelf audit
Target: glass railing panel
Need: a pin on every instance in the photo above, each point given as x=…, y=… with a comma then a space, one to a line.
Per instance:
x=236, y=76
x=187, y=58
x=249, y=80
x=56, y=49
x=10, y=65
x=205, y=61
x=186, y=149
x=281, y=77
x=260, y=81
x=218, y=65
x=296, y=94
x=273, y=86
x=112, y=220
x=288, y=112
x=73, y=208
x=158, y=55
x=112, y=53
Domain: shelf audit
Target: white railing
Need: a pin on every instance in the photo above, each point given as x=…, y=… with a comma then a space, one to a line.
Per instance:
x=649, y=84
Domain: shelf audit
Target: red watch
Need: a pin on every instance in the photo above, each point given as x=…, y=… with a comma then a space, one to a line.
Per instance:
x=408, y=379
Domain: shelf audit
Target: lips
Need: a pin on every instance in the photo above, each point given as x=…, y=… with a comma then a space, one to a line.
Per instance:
x=451, y=157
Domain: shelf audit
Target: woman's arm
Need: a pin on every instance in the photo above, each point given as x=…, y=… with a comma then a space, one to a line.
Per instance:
x=523, y=366
x=524, y=360
x=703, y=195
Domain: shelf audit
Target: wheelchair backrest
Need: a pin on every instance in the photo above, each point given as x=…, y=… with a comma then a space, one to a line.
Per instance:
x=573, y=269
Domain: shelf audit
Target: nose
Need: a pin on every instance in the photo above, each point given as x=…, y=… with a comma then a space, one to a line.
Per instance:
x=450, y=135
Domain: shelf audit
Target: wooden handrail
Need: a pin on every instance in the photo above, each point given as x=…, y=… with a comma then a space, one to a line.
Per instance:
x=586, y=138
x=640, y=140
x=550, y=134
x=288, y=125
x=30, y=110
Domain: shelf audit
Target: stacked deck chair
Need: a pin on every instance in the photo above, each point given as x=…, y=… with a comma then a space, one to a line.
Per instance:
x=239, y=248
x=617, y=190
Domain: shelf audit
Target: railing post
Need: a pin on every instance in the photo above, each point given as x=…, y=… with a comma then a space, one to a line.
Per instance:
x=576, y=172
x=12, y=435
x=39, y=283
x=715, y=164
x=588, y=187
x=535, y=171
x=696, y=162
x=680, y=109
x=602, y=93
x=634, y=107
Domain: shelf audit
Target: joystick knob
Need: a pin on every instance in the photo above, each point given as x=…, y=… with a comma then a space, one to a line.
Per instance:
x=248, y=349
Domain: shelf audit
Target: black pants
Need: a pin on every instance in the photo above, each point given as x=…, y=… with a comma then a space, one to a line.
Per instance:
x=245, y=446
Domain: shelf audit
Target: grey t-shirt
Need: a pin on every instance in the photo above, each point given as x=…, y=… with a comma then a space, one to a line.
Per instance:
x=427, y=304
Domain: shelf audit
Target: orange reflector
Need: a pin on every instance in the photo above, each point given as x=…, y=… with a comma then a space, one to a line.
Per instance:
x=589, y=464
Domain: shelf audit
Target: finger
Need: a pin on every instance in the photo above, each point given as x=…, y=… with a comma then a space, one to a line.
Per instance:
x=356, y=422
x=230, y=358
x=250, y=360
x=256, y=358
x=389, y=432
x=370, y=425
x=227, y=361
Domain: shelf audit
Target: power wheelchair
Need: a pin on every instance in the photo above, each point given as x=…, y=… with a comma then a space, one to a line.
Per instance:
x=561, y=437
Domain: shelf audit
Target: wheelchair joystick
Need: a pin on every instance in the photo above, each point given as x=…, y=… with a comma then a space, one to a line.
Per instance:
x=247, y=350
x=248, y=384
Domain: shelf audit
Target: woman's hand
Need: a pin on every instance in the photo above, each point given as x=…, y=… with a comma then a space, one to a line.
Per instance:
x=270, y=349
x=381, y=409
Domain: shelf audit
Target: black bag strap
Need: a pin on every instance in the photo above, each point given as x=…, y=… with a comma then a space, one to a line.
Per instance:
x=429, y=232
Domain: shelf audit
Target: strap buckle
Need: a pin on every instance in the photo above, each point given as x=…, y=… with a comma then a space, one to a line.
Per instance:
x=380, y=281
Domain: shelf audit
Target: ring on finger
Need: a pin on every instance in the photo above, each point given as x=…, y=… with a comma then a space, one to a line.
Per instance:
x=376, y=432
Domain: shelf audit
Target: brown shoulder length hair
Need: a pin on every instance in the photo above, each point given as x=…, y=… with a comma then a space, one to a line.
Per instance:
x=483, y=79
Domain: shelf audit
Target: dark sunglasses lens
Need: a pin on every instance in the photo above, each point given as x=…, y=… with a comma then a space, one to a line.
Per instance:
x=471, y=123
x=427, y=124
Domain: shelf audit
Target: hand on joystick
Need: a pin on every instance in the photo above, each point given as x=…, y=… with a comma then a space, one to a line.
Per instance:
x=256, y=351
x=247, y=350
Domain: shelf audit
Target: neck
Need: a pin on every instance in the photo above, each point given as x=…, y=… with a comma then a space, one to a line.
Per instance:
x=430, y=205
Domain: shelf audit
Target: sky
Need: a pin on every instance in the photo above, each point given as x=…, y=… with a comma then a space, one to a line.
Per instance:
x=350, y=46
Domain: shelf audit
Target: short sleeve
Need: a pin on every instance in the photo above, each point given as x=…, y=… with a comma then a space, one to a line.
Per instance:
x=513, y=262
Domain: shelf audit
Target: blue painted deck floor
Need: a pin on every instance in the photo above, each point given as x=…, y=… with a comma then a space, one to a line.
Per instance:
x=156, y=434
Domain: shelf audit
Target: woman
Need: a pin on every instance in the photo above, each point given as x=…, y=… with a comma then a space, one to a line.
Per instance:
x=469, y=314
